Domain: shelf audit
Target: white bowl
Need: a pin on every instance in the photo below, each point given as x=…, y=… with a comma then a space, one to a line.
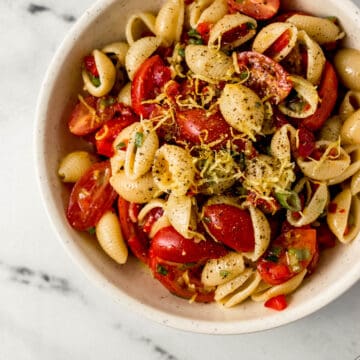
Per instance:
x=132, y=284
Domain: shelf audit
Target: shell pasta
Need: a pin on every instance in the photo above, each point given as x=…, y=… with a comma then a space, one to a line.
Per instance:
x=224, y=149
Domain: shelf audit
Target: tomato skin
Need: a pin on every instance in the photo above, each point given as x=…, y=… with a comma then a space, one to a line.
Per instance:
x=266, y=77
x=258, y=9
x=194, y=125
x=170, y=276
x=278, y=270
x=137, y=241
x=147, y=84
x=90, y=197
x=90, y=65
x=328, y=92
x=82, y=120
x=169, y=245
x=278, y=303
x=105, y=137
x=204, y=30
x=231, y=226
x=306, y=142
x=280, y=43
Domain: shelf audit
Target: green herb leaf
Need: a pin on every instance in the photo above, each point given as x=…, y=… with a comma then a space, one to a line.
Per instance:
x=181, y=52
x=120, y=146
x=196, y=41
x=300, y=254
x=161, y=270
x=250, y=26
x=139, y=139
x=194, y=33
x=92, y=230
x=244, y=75
x=224, y=273
x=289, y=200
x=95, y=80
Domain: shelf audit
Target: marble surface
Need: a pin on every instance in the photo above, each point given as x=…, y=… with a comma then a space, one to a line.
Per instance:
x=48, y=309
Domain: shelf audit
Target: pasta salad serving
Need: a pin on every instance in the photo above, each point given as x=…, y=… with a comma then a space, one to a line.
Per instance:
x=225, y=141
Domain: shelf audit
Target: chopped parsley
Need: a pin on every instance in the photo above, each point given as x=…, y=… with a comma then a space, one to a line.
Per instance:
x=120, y=146
x=139, y=139
x=250, y=26
x=224, y=274
x=91, y=230
x=161, y=270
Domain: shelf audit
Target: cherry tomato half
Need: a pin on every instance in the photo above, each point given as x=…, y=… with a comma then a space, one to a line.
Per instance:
x=90, y=197
x=328, y=91
x=289, y=254
x=196, y=127
x=105, y=136
x=276, y=303
x=169, y=245
x=266, y=77
x=258, y=9
x=182, y=280
x=148, y=83
x=230, y=225
x=137, y=241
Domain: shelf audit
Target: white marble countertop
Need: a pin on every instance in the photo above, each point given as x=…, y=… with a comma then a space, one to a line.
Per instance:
x=48, y=309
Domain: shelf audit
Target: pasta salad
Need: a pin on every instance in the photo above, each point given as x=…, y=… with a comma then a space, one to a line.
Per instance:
x=225, y=142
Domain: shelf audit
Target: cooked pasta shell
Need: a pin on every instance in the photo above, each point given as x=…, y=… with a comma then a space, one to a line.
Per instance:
x=283, y=142
x=117, y=161
x=262, y=233
x=330, y=131
x=109, y=235
x=354, y=167
x=107, y=75
x=124, y=95
x=350, y=104
x=218, y=36
x=265, y=293
x=347, y=64
x=179, y=209
x=138, y=52
x=221, y=270
x=208, y=63
x=242, y=109
x=141, y=190
x=315, y=204
x=270, y=33
x=307, y=92
x=238, y=289
x=74, y=165
x=350, y=131
x=355, y=183
x=320, y=29
x=315, y=58
x=137, y=25
x=344, y=221
x=169, y=21
x=206, y=11
x=140, y=152
x=173, y=169
x=120, y=49
x=327, y=167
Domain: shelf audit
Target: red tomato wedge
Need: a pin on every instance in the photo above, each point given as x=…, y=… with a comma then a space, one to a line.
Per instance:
x=266, y=77
x=172, y=276
x=137, y=241
x=148, y=83
x=289, y=254
x=105, y=136
x=90, y=65
x=195, y=125
x=83, y=119
x=258, y=9
x=276, y=303
x=278, y=45
x=169, y=245
x=328, y=92
x=90, y=197
x=230, y=225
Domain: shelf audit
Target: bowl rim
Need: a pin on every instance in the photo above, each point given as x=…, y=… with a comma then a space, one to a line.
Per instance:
x=78, y=257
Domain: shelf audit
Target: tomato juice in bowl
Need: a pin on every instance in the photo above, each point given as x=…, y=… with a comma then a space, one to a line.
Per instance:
x=132, y=283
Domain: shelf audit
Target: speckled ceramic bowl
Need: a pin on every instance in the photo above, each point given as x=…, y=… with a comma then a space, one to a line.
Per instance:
x=132, y=284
